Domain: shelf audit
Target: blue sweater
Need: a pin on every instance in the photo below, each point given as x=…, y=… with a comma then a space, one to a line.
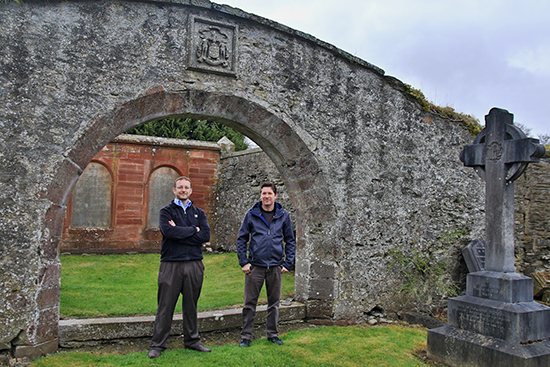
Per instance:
x=183, y=242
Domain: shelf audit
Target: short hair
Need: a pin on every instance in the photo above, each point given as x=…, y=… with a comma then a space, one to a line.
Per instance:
x=269, y=184
x=182, y=178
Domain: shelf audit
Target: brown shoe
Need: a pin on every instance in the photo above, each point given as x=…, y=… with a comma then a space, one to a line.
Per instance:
x=154, y=353
x=199, y=348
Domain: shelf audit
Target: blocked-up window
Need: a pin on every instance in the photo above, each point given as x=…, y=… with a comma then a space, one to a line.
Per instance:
x=161, y=183
x=91, y=203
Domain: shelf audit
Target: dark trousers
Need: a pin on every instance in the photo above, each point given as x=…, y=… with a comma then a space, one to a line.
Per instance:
x=175, y=278
x=252, y=286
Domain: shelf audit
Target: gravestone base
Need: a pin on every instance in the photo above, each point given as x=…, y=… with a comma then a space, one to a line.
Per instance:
x=458, y=347
x=496, y=323
x=521, y=322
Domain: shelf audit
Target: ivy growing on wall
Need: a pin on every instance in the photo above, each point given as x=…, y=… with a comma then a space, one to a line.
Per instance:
x=425, y=272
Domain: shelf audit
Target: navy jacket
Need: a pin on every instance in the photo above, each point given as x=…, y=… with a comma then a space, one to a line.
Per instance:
x=182, y=242
x=268, y=245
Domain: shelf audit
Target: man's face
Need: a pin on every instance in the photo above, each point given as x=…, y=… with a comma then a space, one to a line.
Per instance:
x=183, y=190
x=268, y=197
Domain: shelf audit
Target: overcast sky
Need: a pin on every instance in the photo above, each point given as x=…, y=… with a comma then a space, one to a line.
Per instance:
x=471, y=55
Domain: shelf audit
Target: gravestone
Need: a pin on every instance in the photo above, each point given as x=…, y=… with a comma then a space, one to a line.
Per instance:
x=474, y=255
x=496, y=323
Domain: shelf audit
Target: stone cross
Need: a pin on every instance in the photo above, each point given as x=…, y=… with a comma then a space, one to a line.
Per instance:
x=500, y=153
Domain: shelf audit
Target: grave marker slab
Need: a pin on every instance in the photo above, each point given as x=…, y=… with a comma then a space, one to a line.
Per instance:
x=474, y=255
x=496, y=323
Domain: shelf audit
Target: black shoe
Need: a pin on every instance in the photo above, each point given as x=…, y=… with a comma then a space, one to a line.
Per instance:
x=245, y=343
x=199, y=348
x=276, y=340
x=154, y=353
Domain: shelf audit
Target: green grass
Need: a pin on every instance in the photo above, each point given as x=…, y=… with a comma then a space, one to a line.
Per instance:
x=119, y=285
x=324, y=346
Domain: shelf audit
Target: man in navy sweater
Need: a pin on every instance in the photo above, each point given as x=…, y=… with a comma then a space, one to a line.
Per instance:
x=266, y=248
x=184, y=229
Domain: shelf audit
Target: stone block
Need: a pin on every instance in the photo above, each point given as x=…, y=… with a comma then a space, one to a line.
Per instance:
x=37, y=350
x=46, y=328
x=515, y=322
x=322, y=270
x=50, y=275
x=50, y=248
x=91, y=141
x=497, y=286
x=457, y=347
x=48, y=297
x=59, y=189
x=319, y=309
x=321, y=289
x=54, y=220
x=124, y=115
x=151, y=106
x=541, y=283
x=173, y=103
x=474, y=255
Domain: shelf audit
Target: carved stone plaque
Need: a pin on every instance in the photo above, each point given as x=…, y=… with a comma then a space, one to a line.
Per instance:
x=213, y=46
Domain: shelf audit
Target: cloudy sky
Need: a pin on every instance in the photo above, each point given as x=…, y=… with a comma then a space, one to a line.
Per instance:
x=471, y=55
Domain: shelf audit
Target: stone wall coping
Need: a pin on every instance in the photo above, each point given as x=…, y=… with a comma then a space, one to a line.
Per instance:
x=236, y=12
x=241, y=153
x=82, y=330
x=167, y=142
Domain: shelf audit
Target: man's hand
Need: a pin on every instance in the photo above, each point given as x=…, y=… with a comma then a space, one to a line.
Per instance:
x=246, y=268
x=284, y=270
x=173, y=224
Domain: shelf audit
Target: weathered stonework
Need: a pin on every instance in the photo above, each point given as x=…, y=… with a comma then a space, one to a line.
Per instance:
x=532, y=218
x=366, y=169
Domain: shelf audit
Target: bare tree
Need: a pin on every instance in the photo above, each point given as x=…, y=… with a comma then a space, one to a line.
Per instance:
x=544, y=138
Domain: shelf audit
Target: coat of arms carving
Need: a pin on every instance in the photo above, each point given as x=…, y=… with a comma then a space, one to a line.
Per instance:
x=213, y=46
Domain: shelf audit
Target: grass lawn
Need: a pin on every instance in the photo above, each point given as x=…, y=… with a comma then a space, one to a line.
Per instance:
x=115, y=285
x=118, y=285
x=324, y=346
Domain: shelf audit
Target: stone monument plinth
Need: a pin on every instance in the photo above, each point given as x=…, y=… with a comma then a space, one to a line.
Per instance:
x=496, y=323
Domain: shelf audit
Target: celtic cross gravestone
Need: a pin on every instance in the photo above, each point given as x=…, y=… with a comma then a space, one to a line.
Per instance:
x=496, y=323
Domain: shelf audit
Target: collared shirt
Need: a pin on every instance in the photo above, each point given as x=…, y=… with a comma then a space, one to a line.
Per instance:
x=179, y=202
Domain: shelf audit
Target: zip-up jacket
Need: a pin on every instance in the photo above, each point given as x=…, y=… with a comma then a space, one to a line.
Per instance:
x=182, y=242
x=268, y=245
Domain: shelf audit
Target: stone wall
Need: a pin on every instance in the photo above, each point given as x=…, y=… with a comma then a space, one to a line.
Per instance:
x=532, y=207
x=242, y=173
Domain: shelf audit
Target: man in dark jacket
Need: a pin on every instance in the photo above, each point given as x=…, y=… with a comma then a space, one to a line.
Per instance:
x=266, y=249
x=184, y=229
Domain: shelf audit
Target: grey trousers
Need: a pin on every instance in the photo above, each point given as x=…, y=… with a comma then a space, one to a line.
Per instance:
x=175, y=278
x=252, y=286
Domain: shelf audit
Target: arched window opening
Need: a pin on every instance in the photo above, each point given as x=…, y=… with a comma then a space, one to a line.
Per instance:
x=91, y=202
x=160, y=193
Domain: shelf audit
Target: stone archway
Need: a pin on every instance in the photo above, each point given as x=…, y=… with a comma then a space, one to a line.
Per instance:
x=296, y=163
x=367, y=169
